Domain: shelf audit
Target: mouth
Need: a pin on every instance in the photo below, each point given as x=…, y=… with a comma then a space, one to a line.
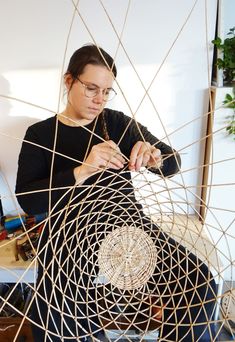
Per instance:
x=94, y=110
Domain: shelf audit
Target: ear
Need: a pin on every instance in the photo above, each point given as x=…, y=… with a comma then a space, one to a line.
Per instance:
x=68, y=79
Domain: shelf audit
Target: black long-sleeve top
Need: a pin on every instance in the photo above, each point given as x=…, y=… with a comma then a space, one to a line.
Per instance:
x=50, y=152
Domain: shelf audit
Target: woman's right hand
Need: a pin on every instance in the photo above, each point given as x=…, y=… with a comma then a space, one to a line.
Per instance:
x=106, y=155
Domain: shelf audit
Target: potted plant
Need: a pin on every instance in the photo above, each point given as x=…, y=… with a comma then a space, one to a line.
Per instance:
x=227, y=62
x=229, y=102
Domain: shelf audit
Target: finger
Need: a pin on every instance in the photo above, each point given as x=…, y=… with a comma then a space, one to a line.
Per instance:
x=134, y=154
x=109, y=165
x=113, y=154
x=155, y=151
x=146, y=158
x=112, y=144
x=116, y=161
x=140, y=155
x=113, y=150
x=120, y=158
x=112, y=165
x=155, y=158
x=143, y=157
x=108, y=145
x=139, y=162
x=113, y=159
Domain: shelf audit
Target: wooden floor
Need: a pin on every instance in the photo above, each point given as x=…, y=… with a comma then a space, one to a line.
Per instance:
x=188, y=230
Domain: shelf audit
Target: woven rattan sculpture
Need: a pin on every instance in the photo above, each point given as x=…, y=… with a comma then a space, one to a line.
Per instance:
x=99, y=265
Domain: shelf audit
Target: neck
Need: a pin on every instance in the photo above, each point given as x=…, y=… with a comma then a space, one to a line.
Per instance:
x=69, y=120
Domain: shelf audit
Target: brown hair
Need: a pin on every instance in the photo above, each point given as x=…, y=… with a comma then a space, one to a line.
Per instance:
x=91, y=54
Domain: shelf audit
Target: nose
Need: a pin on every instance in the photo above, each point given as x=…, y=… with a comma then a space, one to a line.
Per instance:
x=99, y=98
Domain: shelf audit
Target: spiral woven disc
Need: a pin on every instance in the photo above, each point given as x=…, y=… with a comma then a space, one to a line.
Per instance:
x=127, y=258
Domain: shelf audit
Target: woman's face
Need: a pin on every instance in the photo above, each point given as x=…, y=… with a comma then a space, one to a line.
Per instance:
x=80, y=107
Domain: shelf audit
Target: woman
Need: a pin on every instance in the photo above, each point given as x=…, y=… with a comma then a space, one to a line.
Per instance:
x=77, y=167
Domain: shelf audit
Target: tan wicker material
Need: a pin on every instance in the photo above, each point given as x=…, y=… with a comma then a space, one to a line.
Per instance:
x=127, y=258
x=119, y=259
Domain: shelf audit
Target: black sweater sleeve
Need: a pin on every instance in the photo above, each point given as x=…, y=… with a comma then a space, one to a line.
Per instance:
x=171, y=161
x=41, y=185
x=134, y=131
x=35, y=183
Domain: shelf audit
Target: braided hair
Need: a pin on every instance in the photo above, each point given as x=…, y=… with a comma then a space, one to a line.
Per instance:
x=104, y=126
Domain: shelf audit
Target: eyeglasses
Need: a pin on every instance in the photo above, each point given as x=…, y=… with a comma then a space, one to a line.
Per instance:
x=91, y=90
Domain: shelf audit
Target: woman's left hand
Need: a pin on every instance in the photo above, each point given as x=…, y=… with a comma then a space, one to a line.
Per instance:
x=144, y=154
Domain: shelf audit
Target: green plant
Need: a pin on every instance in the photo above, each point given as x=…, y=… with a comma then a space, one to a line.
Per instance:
x=227, y=63
x=229, y=102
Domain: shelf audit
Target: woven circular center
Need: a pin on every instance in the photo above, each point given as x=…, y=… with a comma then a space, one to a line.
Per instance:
x=127, y=258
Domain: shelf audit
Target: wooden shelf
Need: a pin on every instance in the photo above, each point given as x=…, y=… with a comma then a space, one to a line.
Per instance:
x=9, y=327
x=10, y=269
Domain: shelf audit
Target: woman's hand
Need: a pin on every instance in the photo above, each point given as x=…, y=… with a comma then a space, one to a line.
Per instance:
x=144, y=154
x=106, y=155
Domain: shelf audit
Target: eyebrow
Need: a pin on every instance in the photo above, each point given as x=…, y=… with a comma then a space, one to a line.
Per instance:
x=95, y=85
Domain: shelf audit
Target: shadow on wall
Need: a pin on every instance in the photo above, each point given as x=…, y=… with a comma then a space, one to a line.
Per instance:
x=11, y=134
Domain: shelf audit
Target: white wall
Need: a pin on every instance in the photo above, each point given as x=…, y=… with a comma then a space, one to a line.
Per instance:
x=220, y=219
x=226, y=21
x=33, y=39
x=227, y=16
